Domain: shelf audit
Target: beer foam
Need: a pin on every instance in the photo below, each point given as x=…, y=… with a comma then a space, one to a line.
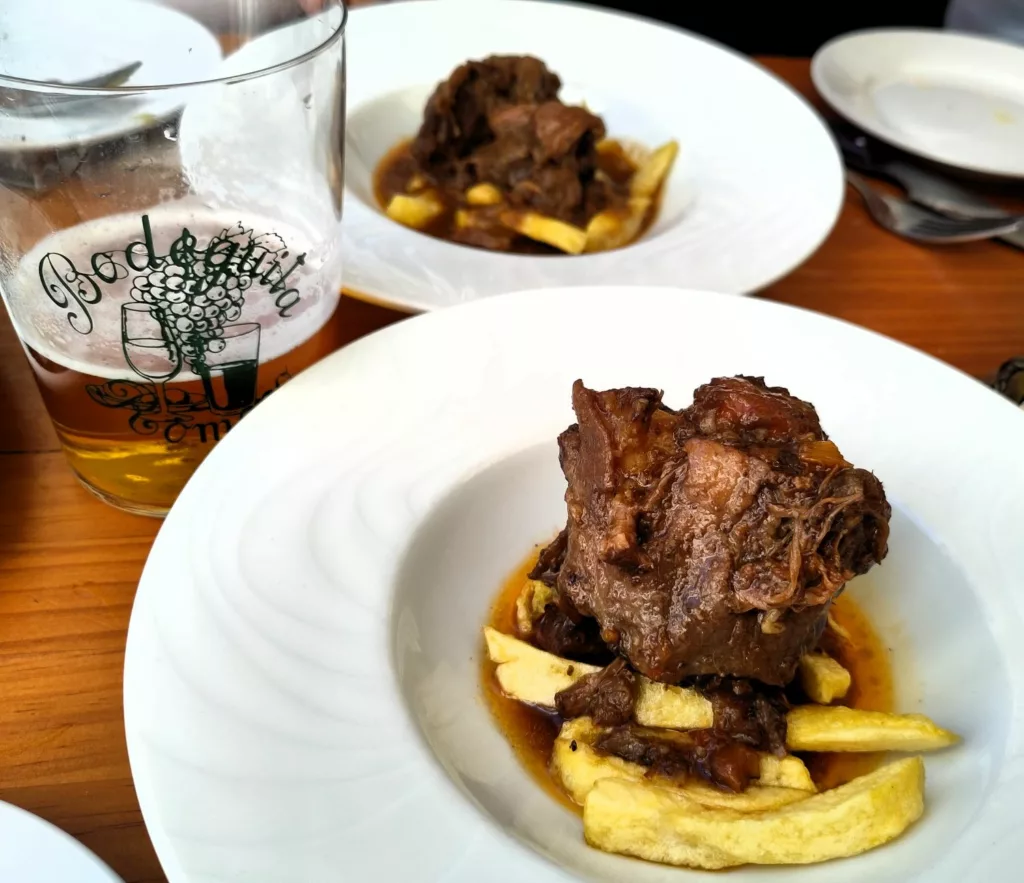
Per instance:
x=49, y=293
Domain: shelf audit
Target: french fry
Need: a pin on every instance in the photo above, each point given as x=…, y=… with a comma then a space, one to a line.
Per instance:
x=822, y=678
x=663, y=825
x=785, y=772
x=528, y=674
x=756, y=798
x=414, y=211
x=531, y=675
x=564, y=237
x=659, y=705
x=614, y=229
x=651, y=175
x=835, y=728
x=579, y=767
x=483, y=194
x=530, y=604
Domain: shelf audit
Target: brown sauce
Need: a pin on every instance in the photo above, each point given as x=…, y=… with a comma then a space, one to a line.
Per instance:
x=394, y=172
x=866, y=658
x=397, y=170
x=531, y=732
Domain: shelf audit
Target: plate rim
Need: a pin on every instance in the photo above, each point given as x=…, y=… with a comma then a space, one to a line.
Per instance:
x=98, y=869
x=819, y=59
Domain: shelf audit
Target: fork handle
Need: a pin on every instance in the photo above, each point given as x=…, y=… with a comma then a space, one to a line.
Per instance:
x=859, y=183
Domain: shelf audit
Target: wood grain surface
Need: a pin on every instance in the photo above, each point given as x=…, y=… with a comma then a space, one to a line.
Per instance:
x=69, y=565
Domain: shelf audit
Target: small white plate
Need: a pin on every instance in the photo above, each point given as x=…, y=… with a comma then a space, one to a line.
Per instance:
x=948, y=97
x=93, y=38
x=301, y=690
x=756, y=188
x=34, y=851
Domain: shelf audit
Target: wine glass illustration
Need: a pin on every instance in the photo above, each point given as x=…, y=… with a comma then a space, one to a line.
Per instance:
x=150, y=351
x=233, y=358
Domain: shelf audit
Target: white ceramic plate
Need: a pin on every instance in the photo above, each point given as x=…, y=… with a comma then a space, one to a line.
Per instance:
x=302, y=697
x=34, y=851
x=755, y=190
x=948, y=97
x=91, y=39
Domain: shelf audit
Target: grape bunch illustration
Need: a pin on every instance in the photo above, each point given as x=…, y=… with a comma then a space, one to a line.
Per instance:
x=196, y=293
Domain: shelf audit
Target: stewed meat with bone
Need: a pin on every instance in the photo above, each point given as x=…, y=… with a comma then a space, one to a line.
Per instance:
x=712, y=540
x=500, y=121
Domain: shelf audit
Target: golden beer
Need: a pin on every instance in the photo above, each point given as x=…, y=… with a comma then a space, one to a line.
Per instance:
x=147, y=463
x=151, y=336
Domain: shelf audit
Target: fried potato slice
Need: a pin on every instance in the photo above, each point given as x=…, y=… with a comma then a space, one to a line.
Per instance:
x=528, y=674
x=580, y=767
x=836, y=728
x=414, y=211
x=663, y=825
x=483, y=194
x=531, y=675
x=530, y=604
x=564, y=237
x=786, y=772
x=659, y=705
x=653, y=172
x=822, y=678
x=614, y=229
x=757, y=798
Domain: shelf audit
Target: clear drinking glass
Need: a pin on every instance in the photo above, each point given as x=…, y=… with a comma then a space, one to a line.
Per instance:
x=169, y=244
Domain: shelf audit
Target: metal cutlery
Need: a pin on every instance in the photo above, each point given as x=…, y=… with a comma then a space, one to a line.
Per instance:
x=24, y=101
x=923, y=186
x=908, y=220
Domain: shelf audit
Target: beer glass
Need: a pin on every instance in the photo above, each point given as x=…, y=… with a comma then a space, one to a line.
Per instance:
x=170, y=208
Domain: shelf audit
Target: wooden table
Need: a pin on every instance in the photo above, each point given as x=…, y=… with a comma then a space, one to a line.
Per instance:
x=69, y=565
